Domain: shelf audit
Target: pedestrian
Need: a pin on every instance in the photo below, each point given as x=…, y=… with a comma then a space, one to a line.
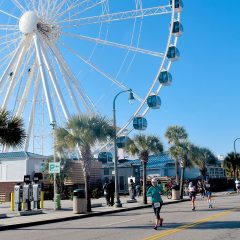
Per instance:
x=106, y=191
x=171, y=184
x=138, y=190
x=237, y=183
x=155, y=192
x=111, y=192
x=208, y=193
x=200, y=189
x=131, y=189
x=192, y=194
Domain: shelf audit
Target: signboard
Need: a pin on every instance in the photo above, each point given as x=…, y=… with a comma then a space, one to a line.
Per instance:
x=54, y=167
x=113, y=172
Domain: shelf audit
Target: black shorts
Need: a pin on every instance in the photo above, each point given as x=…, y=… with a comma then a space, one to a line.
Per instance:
x=192, y=195
x=157, y=210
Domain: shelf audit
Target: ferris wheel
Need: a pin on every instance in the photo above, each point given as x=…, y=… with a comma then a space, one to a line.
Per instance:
x=65, y=57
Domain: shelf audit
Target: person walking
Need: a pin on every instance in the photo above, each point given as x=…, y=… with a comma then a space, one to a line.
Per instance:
x=155, y=192
x=131, y=189
x=237, y=183
x=106, y=191
x=111, y=192
x=208, y=193
x=192, y=194
x=138, y=190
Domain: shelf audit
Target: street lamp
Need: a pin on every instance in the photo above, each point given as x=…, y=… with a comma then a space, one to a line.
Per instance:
x=235, y=149
x=53, y=124
x=130, y=98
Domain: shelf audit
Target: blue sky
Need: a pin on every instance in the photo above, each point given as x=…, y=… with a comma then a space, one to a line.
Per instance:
x=203, y=97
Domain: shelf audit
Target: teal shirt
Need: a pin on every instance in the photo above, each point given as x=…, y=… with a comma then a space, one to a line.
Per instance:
x=154, y=192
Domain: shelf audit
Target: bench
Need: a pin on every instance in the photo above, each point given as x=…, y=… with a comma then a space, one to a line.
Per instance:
x=2, y=197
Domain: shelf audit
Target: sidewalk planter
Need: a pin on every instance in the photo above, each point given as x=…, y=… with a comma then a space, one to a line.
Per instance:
x=58, y=201
x=175, y=194
x=79, y=201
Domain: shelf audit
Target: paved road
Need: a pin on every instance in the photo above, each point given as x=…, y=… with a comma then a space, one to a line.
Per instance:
x=221, y=222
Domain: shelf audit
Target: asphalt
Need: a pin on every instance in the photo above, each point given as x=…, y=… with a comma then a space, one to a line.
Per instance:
x=14, y=220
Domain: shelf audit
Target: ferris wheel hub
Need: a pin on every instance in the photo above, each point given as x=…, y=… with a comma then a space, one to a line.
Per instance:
x=28, y=22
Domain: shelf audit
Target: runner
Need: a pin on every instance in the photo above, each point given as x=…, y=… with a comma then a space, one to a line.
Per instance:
x=154, y=191
x=208, y=193
x=192, y=194
x=200, y=189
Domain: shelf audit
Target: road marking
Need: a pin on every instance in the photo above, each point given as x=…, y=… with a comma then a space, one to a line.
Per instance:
x=117, y=223
x=181, y=228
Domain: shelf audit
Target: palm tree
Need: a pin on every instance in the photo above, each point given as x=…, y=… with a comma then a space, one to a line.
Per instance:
x=12, y=132
x=176, y=135
x=204, y=157
x=83, y=133
x=144, y=145
x=231, y=164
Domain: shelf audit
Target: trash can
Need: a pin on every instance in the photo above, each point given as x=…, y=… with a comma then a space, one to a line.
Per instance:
x=175, y=194
x=79, y=201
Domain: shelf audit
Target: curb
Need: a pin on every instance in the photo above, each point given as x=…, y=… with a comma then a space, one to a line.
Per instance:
x=42, y=222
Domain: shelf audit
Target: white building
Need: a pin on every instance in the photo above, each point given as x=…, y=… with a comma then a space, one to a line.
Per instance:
x=13, y=167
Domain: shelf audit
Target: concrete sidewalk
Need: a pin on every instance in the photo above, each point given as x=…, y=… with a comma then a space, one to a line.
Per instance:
x=99, y=207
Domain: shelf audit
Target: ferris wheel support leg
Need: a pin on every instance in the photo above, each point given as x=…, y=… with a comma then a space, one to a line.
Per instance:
x=69, y=75
x=31, y=117
x=44, y=80
x=65, y=78
x=15, y=71
x=11, y=63
x=23, y=101
x=55, y=83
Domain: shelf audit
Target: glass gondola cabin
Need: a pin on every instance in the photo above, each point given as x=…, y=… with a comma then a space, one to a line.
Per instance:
x=122, y=141
x=178, y=5
x=177, y=29
x=173, y=53
x=140, y=123
x=105, y=157
x=165, y=78
x=154, y=101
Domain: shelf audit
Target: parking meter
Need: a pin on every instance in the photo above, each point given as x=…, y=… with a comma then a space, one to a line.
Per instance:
x=36, y=192
x=27, y=192
x=18, y=192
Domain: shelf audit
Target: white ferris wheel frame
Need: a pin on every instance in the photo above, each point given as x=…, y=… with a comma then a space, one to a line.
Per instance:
x=45, y=71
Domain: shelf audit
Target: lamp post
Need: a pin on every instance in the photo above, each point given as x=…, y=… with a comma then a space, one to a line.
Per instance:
x=131, y=97
x=53, y=124
x=235, y=152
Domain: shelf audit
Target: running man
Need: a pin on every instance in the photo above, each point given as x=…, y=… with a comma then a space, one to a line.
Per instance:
x=208, y=193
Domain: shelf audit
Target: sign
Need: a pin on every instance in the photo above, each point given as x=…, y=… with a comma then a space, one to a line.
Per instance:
x=113, y=172
x=54, y=167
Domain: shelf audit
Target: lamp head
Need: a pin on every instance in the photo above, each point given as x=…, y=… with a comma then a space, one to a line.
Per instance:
x=131, y=97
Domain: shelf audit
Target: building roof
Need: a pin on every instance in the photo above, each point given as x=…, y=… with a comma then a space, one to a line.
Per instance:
x=154, y=161
x=20, y=155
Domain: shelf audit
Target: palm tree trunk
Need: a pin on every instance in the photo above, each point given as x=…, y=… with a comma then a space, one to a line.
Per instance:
x=86, y=165
x=176, y=169
x=144, y=182
x=181, y=182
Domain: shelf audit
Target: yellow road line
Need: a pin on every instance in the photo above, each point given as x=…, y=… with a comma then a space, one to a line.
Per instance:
x=181, y=228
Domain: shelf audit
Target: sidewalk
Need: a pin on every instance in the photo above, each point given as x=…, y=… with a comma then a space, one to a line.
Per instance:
x=99, y=207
